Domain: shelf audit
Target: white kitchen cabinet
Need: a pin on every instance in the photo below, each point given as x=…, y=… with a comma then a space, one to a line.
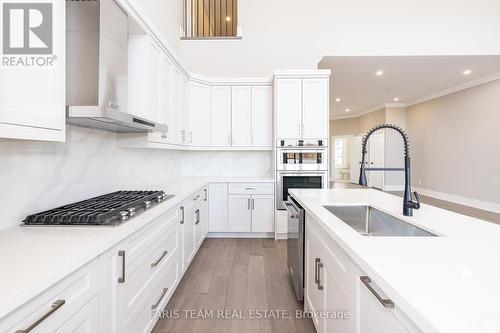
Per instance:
x=288, y=108
x=32, y=99
x=221, y=116
x=217, y=207
x=63, y=301
x=200, y=133
x=204, y=213
x=131, y=271
x=143, y=77
x=86, y=320
x=175, y=132
x=188, y=236
x=262, y=213
x=165, y=92
x=262, y=116
x=374, y=317
x=239, y=213
x=241, y=114
x=184, y=109
x=302, y=105
x=315, y=106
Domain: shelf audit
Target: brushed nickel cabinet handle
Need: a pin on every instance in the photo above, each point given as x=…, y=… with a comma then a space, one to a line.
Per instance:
x=196, y=197
x=54, y=307
x=122, y=278
x=320, y=286
x=182, y=215
x=197, y=212
x=387, y=303
x=250, y=188
x=154, y=306
x=206, y=195
x=316, y=262
x=253, y=204
x=159, y=259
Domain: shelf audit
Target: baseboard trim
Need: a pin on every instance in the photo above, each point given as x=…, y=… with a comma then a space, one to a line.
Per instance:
x=281, y=236
x=484, y=205
x=240, y=235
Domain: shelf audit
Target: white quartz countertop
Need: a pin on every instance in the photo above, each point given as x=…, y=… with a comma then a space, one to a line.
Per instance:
x=35, y=258
x=444, y=284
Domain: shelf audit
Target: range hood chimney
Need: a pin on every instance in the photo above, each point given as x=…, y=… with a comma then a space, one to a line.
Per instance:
x=96, y=68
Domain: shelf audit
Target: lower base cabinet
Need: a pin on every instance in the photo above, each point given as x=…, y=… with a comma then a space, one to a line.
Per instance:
x=337, y=292
x=86, y=320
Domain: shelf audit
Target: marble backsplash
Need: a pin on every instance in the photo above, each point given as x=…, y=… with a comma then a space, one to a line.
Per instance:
x=35, y=176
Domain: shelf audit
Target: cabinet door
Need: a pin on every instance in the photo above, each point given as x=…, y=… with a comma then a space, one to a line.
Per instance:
x=262, y=213
x=165, y=97
x=241, y=116
x=239, y=213
x=313, y=296
x=86, y=320
x=184, y=105
x=217, y=207
x=32, y=99
x=262, y=116
x=288, y=108
x=188, y=236
x=175, y=134
x=143, y=77
x=375, y=318
x=200, y=119
x=204, y=213
x=221, y=116
x=315, y=106
x=198, y=226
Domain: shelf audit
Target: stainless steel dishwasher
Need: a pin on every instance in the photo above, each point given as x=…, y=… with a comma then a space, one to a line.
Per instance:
x=295, y=245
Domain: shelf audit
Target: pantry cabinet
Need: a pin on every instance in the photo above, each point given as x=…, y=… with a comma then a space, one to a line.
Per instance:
x=32, y=98
x=288, y=108
x=315, y=106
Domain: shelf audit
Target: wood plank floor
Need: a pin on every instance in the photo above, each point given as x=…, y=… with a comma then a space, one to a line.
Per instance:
x=236, y=277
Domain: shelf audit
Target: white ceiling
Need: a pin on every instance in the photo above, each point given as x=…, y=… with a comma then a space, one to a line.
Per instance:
x=407, y=77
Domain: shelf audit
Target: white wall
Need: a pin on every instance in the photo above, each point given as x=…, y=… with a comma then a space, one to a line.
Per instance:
x=454, y=145
x=288, y=34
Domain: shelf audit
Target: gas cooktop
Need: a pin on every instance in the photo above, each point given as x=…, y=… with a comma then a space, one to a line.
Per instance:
x=108, y=209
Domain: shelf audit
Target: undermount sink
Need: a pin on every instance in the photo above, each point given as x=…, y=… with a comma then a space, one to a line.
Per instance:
x=369, y=221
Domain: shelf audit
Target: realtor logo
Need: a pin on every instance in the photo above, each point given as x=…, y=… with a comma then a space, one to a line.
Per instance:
x=27, y=28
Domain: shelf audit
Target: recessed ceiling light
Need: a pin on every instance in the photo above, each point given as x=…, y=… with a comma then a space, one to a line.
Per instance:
x=337, y=99
x=379, y=73
x=467, y=72
x=228, y=18
x=347, y=110
x=395, y=99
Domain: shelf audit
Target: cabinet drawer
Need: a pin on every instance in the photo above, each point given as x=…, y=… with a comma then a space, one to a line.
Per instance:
x=157, y=294
x=195, y=199
x=140, y=274
x=251, y=188
x=56, y=304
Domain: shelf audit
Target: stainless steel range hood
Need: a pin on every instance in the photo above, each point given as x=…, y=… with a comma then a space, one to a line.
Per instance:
x=96, y=68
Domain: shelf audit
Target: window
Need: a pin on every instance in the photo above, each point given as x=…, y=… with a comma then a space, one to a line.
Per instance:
x=339, y=152
x=210, y=19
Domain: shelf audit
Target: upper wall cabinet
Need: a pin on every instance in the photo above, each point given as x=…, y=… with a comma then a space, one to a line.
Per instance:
x=262, y=116
x=200, y=131
x=32, y=86
x=241, y=123
x=221, y=116
x=302, y=102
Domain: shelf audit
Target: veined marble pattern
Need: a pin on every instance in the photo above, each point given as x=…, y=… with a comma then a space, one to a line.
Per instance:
x=35, y=176
x=227, y=163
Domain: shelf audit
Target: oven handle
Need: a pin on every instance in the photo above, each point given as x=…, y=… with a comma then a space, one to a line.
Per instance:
x=292, y=212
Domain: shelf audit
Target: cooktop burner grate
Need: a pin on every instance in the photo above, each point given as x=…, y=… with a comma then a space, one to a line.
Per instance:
x=101, y=210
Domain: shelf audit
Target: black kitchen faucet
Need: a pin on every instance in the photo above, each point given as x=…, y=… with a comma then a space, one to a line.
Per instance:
x=408, y=203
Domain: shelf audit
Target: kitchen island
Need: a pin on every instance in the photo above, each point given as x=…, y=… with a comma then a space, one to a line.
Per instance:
x=437, y=284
